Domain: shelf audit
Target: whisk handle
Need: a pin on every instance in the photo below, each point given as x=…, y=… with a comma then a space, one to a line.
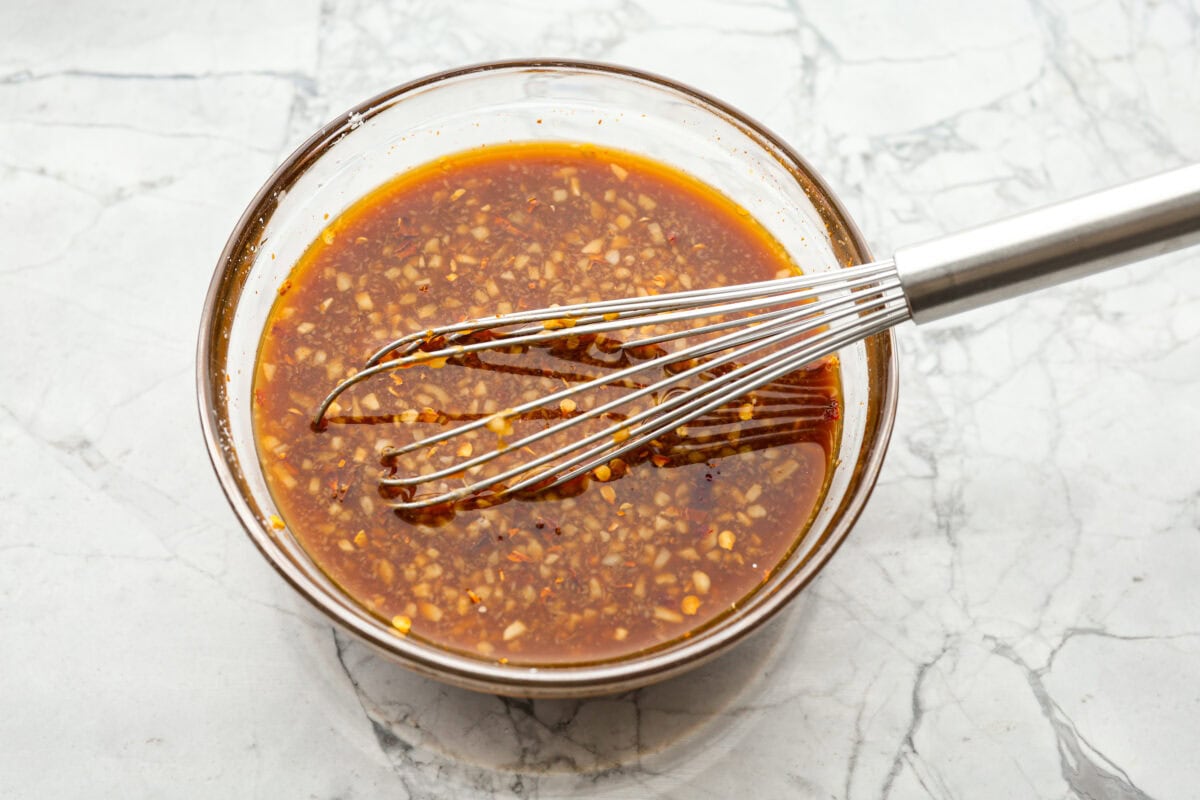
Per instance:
x=1051, y=245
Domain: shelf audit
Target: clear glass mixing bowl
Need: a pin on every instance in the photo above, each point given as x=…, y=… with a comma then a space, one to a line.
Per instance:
x=525, y=101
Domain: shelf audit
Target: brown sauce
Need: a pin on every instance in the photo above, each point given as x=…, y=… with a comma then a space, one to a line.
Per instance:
x=662, y=544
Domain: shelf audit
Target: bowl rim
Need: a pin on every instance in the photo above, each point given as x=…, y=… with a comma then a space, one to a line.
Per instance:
x=560, y=681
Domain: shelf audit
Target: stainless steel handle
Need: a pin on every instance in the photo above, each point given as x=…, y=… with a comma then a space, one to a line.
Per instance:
x=1051, y=245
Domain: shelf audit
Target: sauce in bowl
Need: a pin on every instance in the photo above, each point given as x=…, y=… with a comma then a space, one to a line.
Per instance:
x=657, y=545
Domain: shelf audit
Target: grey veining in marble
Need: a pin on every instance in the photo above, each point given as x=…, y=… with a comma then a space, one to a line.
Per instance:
x=1017, y=613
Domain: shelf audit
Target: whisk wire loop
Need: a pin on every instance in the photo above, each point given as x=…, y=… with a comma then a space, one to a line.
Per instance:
x=798, y=322
x=759, y=333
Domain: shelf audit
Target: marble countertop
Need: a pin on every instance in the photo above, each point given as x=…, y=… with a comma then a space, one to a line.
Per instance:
x=1017, y=613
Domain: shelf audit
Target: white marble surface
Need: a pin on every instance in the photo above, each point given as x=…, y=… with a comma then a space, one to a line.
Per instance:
x=1016, y=615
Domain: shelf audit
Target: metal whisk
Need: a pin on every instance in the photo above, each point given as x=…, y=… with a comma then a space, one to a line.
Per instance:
x=760, y=332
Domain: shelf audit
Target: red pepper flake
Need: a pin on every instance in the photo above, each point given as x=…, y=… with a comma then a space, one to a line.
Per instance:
x=504, y=222
x=473, y=597
x=337, y=489
x=544, y=593
x=283, y=287
x=519, y=557
x=407, y=249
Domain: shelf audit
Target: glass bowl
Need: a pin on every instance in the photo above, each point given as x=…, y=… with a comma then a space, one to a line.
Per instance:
x=527, y=101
